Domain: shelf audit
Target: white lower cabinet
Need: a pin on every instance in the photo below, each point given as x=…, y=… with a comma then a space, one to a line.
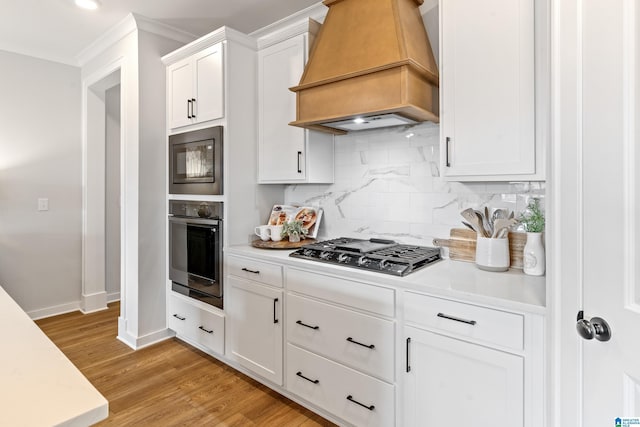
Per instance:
x=346, y=393
x=341, y=346
x=453, y=382
x=196, y=324
x=357, y=340
x=471, y=364
x=255, y=327
x=366, y=354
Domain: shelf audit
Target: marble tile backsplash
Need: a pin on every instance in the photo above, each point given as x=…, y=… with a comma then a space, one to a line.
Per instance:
x=388, y=185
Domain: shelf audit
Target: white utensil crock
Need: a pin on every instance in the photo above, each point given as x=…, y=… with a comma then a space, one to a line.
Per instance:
x=492, y=254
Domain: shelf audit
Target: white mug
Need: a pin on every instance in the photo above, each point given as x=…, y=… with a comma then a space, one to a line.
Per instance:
x=262, y=231
x=275, y=231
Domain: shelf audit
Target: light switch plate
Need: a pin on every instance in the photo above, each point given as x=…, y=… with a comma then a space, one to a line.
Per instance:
x=43, y=204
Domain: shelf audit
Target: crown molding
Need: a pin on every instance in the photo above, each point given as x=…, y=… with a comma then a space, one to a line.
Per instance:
x=219, y=35
x=132, y=22
x=317, y=12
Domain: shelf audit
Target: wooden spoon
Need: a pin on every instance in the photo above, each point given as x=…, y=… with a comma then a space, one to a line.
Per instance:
x=475, y=221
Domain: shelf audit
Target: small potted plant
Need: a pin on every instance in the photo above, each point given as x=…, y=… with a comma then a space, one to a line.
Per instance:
x=294, y=230
x=534, y=255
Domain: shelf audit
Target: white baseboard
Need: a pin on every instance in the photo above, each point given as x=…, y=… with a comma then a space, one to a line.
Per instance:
x=136, y=343
x=54, y=311
x=93, y=302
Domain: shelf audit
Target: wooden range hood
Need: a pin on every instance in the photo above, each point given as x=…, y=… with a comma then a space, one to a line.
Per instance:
x=371, y=60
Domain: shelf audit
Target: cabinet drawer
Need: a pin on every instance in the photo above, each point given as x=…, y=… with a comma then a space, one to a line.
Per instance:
x=466, y=320
x=363, y=342
x=348, y=394
x=375, y=299
x=263, y=272
x=196, y=324
x=180, y=315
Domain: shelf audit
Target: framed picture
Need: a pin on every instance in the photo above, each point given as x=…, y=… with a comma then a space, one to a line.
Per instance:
x=310, y=217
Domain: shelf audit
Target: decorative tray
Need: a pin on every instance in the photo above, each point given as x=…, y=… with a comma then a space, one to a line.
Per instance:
x=282, y=244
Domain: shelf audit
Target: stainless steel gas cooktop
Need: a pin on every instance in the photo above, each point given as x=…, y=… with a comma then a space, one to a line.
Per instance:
x=384, y=256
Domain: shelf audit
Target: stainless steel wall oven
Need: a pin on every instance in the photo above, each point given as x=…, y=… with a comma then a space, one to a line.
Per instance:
x=195, y=162
x=195, y=250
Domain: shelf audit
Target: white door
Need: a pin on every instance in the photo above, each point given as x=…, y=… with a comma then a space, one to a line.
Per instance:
x=594, y=204
x=255, y=327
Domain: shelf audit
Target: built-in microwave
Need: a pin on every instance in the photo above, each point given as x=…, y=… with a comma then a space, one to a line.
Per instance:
x=195, y=162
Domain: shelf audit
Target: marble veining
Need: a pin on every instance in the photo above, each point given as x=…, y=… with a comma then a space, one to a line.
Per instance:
x=388, y=185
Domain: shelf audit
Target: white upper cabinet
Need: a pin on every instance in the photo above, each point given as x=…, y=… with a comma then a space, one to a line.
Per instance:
x=288, y=154
x=488, y=91
x=195, y=88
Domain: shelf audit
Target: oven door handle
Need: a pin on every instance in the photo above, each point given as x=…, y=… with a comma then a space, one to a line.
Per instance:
x=194, y=221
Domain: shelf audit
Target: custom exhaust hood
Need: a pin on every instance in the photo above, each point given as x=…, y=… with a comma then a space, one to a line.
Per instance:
x=371, y=66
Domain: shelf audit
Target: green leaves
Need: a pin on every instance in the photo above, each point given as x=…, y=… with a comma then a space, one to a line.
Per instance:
x=533, y=217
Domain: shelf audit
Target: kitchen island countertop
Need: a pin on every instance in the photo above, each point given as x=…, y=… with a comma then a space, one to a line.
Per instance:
x=40, y=386
x=454, y=279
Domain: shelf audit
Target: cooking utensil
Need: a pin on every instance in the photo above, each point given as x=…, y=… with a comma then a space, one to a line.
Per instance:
x=501, y=227
x=475, y=220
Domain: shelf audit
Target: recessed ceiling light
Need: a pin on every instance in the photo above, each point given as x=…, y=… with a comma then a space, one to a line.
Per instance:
x=88, y=4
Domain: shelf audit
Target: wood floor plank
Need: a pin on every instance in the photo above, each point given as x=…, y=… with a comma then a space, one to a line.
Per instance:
x=168, y=384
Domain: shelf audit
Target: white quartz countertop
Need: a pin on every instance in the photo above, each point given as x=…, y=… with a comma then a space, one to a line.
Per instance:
x=40, y=386
x=455, y=279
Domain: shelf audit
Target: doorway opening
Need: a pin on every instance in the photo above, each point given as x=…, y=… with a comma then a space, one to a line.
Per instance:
x=102, y=177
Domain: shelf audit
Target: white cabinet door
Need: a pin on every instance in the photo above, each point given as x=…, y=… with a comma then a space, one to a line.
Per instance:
x=281, y=148
x=450, y=381
x=196, y=88
x=287, y=154
x=180, y=92
x=487, y=89
x=254, y=314
x=209, y=84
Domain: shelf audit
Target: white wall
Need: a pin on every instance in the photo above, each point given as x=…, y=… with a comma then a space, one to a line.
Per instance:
x=40, y=156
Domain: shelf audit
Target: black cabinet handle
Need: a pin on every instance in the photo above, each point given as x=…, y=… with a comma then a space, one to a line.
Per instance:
x=407, y=365
x=275, y=318
x=299, y=322
x=457, y=319
x=193, y=104
x=206, y=330
x=179, y=317
x=299, y=161
x=371, y=346
x=251, y=271
x=446, y=150
x=351, y=399
x=306, y=378
x=188, y=108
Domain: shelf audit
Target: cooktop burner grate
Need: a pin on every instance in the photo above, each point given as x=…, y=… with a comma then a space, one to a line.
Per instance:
x=384, y=256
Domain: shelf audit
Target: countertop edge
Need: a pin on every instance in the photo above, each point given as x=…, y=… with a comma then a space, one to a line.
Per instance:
x=446, y=278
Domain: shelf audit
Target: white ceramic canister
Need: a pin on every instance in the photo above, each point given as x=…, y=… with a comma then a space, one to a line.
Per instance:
x=492, y=254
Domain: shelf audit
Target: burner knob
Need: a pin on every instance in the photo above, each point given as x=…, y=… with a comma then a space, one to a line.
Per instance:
x=383, y=264
x=343, y=258
x=362, y=260
x=325, y=255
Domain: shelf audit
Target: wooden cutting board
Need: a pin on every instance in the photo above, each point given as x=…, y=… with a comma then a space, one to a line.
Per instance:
x=462, y=246
x=282, y=244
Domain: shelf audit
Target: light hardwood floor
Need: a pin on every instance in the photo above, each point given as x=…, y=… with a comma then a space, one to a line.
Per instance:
x=167, y=384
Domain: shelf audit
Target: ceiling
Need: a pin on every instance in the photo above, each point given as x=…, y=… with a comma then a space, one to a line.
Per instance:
x=57, y=30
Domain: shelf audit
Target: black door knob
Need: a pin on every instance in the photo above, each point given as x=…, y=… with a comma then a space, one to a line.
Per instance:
x=596, y=328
